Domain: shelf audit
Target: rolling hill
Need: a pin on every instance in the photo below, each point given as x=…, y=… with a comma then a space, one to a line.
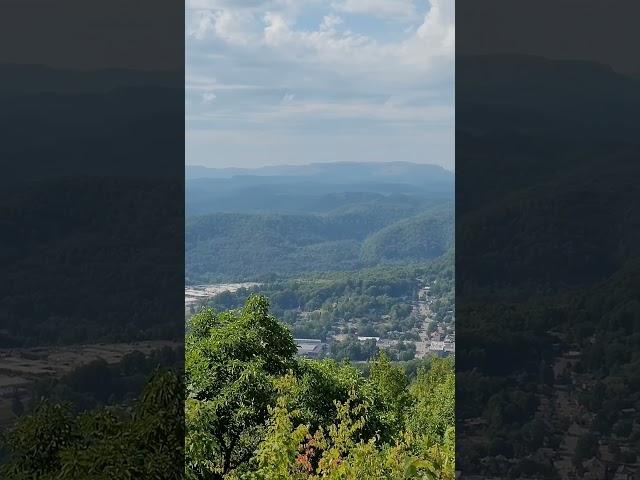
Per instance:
x=419, y=238
x=232, y=246
x=315, y=188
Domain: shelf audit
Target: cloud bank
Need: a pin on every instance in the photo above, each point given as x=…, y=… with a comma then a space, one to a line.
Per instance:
x=291, y=81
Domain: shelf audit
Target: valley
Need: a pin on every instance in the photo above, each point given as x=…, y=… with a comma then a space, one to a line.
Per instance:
x=330, y=286
x=346, y=328
x=350, y=264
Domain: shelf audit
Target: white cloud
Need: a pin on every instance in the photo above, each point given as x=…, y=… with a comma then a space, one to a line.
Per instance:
x=386, y=9
x=205, y=84
x=232, y=26
x=201, y=23
x=276, y=30
x=439, y=25
x=208, y=97
x=330, y=22
x=347, y=71
x=289, y=111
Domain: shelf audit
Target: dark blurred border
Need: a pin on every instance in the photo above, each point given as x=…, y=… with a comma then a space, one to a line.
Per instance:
x=547, y=230
x=92, y=242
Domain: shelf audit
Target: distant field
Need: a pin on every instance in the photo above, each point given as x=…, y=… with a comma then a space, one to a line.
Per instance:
x=22, y=366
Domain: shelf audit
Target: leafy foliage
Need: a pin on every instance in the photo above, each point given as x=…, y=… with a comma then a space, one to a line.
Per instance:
x=146, y=443
x=231, y=359
x=254, y=411
x=340, y=451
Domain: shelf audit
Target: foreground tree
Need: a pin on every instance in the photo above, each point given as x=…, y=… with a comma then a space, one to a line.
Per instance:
x=54, y=443
x=433, y=409
x=340, y=452
x=232, y=359
x=254, y=411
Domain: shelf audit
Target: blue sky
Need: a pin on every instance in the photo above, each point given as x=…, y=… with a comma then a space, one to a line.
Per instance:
x=299, y=81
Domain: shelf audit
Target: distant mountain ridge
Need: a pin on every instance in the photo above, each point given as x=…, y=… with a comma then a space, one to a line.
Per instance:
x=402, y=172
x=313, y=188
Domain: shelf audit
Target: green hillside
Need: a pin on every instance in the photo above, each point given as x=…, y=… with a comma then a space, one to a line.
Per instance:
x=425, y=236
x=350, y=237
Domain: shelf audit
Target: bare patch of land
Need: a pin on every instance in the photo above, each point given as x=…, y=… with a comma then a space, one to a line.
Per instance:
x=195, y=294
x=20, y=367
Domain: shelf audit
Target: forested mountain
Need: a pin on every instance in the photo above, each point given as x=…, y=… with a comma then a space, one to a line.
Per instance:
x=417, y=238
x=315, y=188
x=353, y=236
x=323, y=217
x=269, y=195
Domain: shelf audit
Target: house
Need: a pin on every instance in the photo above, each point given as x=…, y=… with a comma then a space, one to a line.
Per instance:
x=364, y=339
x=309, y=347
x=423, y=293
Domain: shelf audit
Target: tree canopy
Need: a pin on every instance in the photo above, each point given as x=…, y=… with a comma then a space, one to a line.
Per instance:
x=256, y=411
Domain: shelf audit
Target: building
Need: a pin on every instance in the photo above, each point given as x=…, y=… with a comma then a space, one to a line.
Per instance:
x=364, y=339
x=309, y=347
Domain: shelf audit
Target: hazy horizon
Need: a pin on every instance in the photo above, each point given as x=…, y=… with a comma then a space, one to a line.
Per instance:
x=274, y=82
x=310, y=164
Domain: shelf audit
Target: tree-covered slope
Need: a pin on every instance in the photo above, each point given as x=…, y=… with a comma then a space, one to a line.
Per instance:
x=350, y=237
x=425, y=236
x=231, y=246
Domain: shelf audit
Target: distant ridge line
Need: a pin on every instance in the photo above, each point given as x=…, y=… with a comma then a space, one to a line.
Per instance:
x=371, y=168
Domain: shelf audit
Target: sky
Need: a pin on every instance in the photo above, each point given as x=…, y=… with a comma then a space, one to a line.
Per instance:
x=272, y=82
